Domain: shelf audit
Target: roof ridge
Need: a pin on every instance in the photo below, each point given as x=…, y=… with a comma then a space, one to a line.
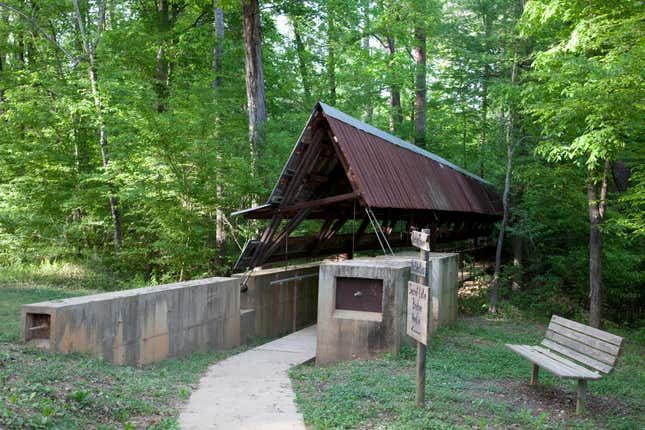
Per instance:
x=368, y=128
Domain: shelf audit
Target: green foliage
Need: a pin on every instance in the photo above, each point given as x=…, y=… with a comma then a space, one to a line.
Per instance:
x=577, y=99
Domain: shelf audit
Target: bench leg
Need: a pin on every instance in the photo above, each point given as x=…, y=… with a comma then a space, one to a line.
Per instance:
x=582, y=396
x=535, y=374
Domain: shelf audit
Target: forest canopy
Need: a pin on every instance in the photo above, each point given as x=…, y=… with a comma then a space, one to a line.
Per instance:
x=125, y=140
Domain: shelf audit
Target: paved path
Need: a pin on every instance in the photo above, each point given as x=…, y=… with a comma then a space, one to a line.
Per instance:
x=251, y=390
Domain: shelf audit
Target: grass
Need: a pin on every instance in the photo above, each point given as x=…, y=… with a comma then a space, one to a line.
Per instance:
x=41, y=390
x=473, y=381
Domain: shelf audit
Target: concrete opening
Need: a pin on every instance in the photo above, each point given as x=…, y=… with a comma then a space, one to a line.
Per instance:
x=37, y=326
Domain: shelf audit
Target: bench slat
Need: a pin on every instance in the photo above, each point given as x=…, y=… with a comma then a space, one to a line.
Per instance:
x=605, y=368
x=557, y=368
x=527, y=352
x=581, y=348
x=576, y=368
x=600, y=334
x=583, y=338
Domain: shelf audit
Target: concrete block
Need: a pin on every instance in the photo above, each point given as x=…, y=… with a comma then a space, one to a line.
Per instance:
x=345, y=334
x=140, y=326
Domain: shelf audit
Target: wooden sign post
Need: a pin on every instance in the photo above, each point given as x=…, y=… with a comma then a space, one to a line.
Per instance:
x=418, y=297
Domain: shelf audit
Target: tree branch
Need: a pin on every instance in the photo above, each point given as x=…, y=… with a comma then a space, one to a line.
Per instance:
x=51, y=40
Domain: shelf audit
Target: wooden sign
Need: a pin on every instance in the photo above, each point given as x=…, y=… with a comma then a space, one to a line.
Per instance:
x=417, y=326
x=421, y=240
x=418, y=267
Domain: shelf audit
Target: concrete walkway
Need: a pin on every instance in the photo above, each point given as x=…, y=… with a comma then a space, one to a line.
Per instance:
x=251, y=390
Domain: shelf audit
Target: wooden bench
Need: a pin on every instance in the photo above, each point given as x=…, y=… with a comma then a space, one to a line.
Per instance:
x=572, y=350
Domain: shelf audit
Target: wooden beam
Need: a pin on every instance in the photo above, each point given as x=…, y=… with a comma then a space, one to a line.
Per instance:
x=291, y=226
x=320, y=202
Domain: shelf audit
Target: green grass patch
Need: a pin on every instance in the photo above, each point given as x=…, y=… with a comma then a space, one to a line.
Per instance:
x=473, y=381
x=41, y=390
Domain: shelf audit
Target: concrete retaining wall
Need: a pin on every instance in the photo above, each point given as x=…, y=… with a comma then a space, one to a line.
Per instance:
x=272, y=304
x=140, y=326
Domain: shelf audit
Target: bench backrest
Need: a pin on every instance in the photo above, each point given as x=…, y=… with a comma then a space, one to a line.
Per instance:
x=587, y=345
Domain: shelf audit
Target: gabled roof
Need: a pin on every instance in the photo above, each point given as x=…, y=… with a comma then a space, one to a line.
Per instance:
x=389, y=172
x=343, y=169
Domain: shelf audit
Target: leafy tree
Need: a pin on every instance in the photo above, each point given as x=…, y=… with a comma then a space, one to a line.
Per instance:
x=588, y=83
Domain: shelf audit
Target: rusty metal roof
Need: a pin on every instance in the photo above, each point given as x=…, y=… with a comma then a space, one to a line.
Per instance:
x=389, y=172
x=331, y=111
x=392, y=173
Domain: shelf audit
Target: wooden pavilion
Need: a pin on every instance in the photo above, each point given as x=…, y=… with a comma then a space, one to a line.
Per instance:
x=345, y=172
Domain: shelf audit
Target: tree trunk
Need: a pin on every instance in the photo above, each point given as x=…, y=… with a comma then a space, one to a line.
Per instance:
x=420, y=86
x=484, y=114
x=302, y=61
x=597, y=201
x=90, y=51
x=1, y=80
x=396, y=113
x=517, y=262
x=510, y=148
x=464, y=121
x=487, y=23
x=218, y=25
x=368, y=111
x=220, y=228
x=331, y=57
x=161, y=71
x=254, y=79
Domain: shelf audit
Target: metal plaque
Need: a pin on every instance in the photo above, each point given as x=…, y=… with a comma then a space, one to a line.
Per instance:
x=359, y=294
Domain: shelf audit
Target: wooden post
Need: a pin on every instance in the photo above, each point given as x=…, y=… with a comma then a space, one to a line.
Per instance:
x=535, y=374
x=421, y=374
x=582, y=396
x=421, y=348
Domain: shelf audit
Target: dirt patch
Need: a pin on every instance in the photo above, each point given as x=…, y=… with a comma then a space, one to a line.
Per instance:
x=559, y=404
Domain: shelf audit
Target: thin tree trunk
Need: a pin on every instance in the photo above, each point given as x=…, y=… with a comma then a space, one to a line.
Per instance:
x=218, y=24
x=597, y=202
x=484, y=114
x=302, y=61
x=90, y=51
x=396, y=113
x=218, y=50
x=464, y=132
x=420, y=86
x=487, y=23
x=517, y=261
x=510, y=147
x=254, y=79
x=368, y=112
x=331, y=57
x=161, y=71
x=1, y=80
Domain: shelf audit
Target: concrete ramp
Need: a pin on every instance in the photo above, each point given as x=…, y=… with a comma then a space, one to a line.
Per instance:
x=252, y=390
